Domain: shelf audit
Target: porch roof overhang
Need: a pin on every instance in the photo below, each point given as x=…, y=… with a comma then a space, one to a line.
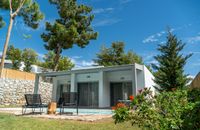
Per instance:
x=92, y=70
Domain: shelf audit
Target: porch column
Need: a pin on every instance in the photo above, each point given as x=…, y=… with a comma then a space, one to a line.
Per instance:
x=73, y=83
x=134, y=81
x=54, y=91
x=101, y=89
x=36, y=86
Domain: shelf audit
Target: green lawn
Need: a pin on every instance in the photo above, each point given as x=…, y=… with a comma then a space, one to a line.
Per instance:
x=11, y=122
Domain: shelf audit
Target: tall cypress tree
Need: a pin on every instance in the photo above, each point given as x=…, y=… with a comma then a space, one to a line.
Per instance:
x=170, y=67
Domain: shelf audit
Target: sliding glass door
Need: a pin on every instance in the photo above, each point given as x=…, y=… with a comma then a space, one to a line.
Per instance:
x=120, y=91
x=88, y=94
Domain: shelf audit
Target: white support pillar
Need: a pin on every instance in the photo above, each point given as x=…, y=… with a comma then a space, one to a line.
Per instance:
x=101, y=89
x=73, y=83
x=36, y=86
x=134, y=81
x=54, y=91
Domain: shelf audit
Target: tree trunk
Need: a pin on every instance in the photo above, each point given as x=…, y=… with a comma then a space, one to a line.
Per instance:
x=6, y=45
x=56, y=59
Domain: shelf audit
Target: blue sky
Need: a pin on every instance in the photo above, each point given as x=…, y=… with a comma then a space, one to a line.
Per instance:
x=141, y=24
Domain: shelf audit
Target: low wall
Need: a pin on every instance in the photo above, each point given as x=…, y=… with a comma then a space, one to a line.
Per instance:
x=12, y=91
x=16, y=74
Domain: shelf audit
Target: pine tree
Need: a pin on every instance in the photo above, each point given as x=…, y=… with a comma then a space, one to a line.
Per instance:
x=170, y=67
x=73, y=27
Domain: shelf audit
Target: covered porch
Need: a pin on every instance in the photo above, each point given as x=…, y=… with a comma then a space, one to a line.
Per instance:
x=97, y=87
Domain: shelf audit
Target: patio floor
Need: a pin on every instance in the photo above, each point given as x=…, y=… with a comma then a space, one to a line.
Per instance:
x=80, y=117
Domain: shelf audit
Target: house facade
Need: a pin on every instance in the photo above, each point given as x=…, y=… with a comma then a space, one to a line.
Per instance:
x=100, y=86
x=196, y=81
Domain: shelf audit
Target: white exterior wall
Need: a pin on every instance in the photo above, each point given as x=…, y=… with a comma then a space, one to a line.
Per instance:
x=140, y=79
x=139, y=75
x=87, y=77
x=119, y=76
x=148, y=76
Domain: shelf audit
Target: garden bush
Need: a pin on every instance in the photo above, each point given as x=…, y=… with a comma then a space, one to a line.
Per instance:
x=192, y=116
x=175, y=110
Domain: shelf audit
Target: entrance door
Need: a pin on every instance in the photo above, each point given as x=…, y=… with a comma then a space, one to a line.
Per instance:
x=120, y=91
x=88, y=94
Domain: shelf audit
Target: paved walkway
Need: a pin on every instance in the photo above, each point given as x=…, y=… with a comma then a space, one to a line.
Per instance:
x=79, y=117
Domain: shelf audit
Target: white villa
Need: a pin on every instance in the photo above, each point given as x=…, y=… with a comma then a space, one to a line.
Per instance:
x=100, y=86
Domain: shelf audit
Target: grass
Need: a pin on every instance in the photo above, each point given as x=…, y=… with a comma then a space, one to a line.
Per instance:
x=12, y=122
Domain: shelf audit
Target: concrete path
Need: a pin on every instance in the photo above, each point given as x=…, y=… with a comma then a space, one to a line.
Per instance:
x=79, y=117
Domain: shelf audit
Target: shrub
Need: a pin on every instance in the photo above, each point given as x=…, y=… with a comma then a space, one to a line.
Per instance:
x=178, y=109
x=192, y=115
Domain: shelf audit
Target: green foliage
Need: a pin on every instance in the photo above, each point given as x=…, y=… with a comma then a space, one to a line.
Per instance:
x=15, y=55
x=192, y=116
x=194, y=95
x=115, y=55
x=121, y=114
x=170, y=70
x=29, y=58
x=165, y=111
x=30, y=11
x=2, y=23
x=64, y=63
x=72, y=28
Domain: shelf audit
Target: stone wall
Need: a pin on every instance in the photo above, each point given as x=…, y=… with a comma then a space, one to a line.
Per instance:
x=12, y=91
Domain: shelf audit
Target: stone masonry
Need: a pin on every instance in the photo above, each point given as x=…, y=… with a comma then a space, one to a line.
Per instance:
x=12, y=91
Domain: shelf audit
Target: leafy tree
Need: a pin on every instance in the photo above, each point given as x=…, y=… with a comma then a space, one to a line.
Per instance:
x=64, y=63
x=29, y=57
x=115, y=55
x=170, y=68
x=15, y=55
x=72, y=28
x=27, y=9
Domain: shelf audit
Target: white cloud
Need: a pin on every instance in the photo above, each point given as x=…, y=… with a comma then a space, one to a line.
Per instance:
x=151, y=38
x=191, y=76
x=155, y=37
x=106, y=22
x=102, y=10
x=152, y=62
x=124, y=1
x=194, y=39
x=74, y=59
x=81, y=63
x=40, y=55
x=149, y=58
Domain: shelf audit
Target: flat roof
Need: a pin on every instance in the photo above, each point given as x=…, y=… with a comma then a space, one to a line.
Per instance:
x=89, y=70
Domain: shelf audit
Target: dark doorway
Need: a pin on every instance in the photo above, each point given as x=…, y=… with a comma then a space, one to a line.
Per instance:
x=88, y=94
x=61, y=89
x=120, y=91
